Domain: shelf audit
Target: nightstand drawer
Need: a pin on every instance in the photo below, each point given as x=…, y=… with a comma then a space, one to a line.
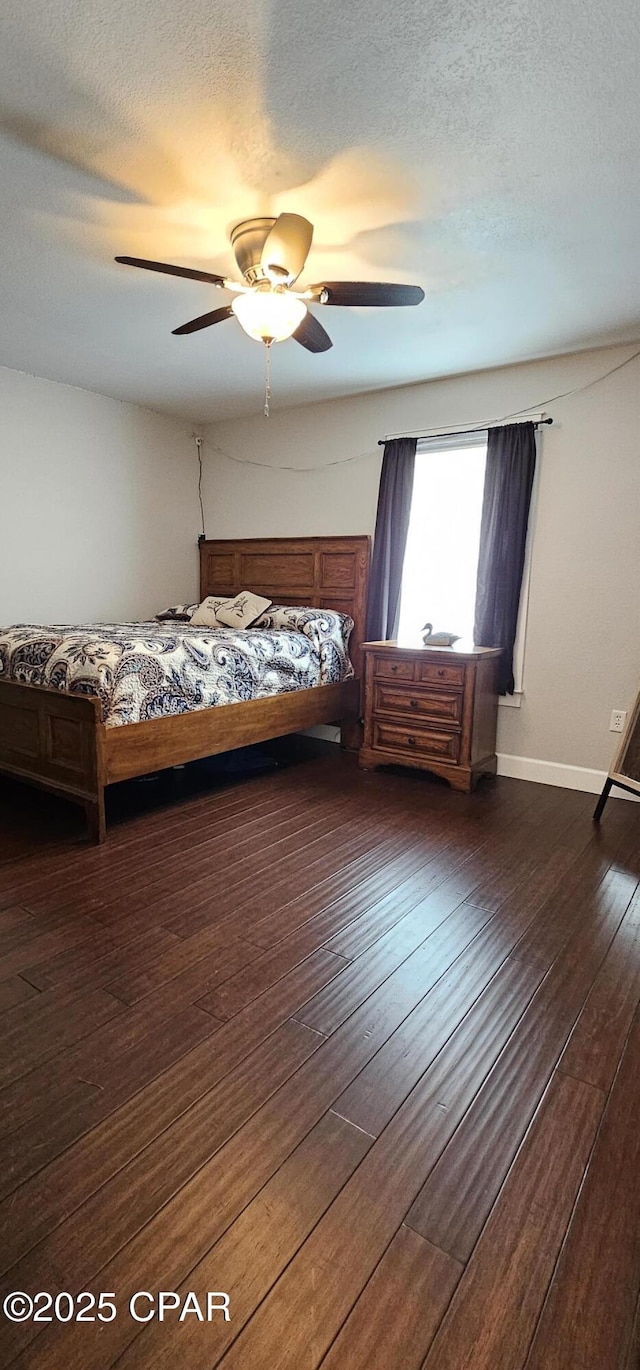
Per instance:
x=439, y=706
x=417, y=742
x=392, y=668
x=441, y=674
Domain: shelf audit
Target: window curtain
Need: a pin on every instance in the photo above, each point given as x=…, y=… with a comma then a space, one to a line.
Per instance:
x=511, y=462
x=392, y=523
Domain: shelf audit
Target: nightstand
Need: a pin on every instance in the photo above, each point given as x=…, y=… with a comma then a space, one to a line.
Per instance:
x=433, y=708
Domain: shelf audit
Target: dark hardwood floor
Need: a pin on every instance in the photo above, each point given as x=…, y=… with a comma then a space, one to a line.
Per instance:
x=359, y=1052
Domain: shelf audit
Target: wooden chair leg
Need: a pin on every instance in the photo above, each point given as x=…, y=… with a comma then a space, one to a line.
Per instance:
x=598, y=811
x=96, y=820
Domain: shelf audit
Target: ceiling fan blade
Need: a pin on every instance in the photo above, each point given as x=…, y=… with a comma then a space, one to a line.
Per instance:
x=374, y=293
x=206, y=320
x=169, y=270
x=286, y=248
x=312, y=335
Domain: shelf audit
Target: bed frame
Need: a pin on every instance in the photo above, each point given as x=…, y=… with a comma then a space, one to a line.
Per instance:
x=58, y=742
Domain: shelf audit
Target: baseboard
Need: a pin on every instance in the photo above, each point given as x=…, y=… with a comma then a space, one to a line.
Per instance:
x=557, y=773
x=527, y=768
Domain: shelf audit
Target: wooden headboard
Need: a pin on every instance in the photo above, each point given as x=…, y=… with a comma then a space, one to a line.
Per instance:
x=325, y=573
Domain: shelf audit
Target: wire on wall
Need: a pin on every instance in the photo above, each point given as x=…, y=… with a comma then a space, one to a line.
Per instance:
x=370, y=456
x=303, y=470
x=578, y=389
x=540, y=408
x=198, y=443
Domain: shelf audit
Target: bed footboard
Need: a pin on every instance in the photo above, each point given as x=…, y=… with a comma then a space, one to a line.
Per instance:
x=55, y=741
x=141, y=748
x=58, y=741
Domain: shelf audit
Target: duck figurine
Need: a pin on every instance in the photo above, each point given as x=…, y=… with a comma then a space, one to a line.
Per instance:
x=431, y=639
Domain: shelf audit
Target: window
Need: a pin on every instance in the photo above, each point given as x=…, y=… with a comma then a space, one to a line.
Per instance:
x=441, y=557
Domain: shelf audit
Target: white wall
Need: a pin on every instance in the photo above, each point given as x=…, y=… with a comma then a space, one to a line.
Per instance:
x=99, y=514
x=583, y=642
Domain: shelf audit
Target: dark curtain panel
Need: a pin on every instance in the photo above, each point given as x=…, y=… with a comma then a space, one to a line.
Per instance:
x=511, y=462
x=392, y=523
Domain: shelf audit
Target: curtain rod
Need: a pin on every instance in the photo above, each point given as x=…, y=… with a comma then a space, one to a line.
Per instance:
x=460, y=432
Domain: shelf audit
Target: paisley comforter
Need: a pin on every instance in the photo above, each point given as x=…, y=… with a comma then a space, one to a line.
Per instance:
x=149, y=670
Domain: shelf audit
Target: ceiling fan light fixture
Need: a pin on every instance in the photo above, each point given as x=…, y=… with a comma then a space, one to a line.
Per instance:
x=269, y=315
x=278, y=274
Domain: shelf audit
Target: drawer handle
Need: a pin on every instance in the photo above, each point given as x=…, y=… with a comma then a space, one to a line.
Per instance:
x=441, y=673
x=394, y=669
x=411, y=741
x=414, y=703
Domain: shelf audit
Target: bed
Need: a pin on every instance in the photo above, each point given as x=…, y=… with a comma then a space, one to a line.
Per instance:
x=60, y=742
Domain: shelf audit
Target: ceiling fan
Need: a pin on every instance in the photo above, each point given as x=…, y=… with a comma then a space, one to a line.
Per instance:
x=271, y=254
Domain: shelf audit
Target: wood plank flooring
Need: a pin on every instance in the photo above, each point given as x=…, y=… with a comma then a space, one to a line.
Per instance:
x=359, y=1052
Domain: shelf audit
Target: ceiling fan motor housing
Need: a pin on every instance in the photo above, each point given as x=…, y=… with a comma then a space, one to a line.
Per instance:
x=247, y=240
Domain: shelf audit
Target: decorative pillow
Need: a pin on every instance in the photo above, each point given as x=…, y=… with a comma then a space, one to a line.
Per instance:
x=205, y=615
x=178, y=613
x=242, y=611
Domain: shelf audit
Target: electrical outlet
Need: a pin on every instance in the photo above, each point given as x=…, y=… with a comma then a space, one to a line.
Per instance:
x=618, y=720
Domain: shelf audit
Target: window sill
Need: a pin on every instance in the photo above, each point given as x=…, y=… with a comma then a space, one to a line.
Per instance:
x=511, y=701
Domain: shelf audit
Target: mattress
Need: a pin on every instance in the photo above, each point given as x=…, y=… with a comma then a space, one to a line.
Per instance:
x=142, y=671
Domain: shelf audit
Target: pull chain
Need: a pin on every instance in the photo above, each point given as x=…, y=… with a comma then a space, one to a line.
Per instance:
x=267, y=379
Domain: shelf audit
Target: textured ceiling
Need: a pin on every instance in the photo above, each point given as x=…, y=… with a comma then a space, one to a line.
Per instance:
x=485, y=149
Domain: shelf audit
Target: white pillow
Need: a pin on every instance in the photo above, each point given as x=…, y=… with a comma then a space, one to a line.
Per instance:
x=242, y=611
x=205, y=616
